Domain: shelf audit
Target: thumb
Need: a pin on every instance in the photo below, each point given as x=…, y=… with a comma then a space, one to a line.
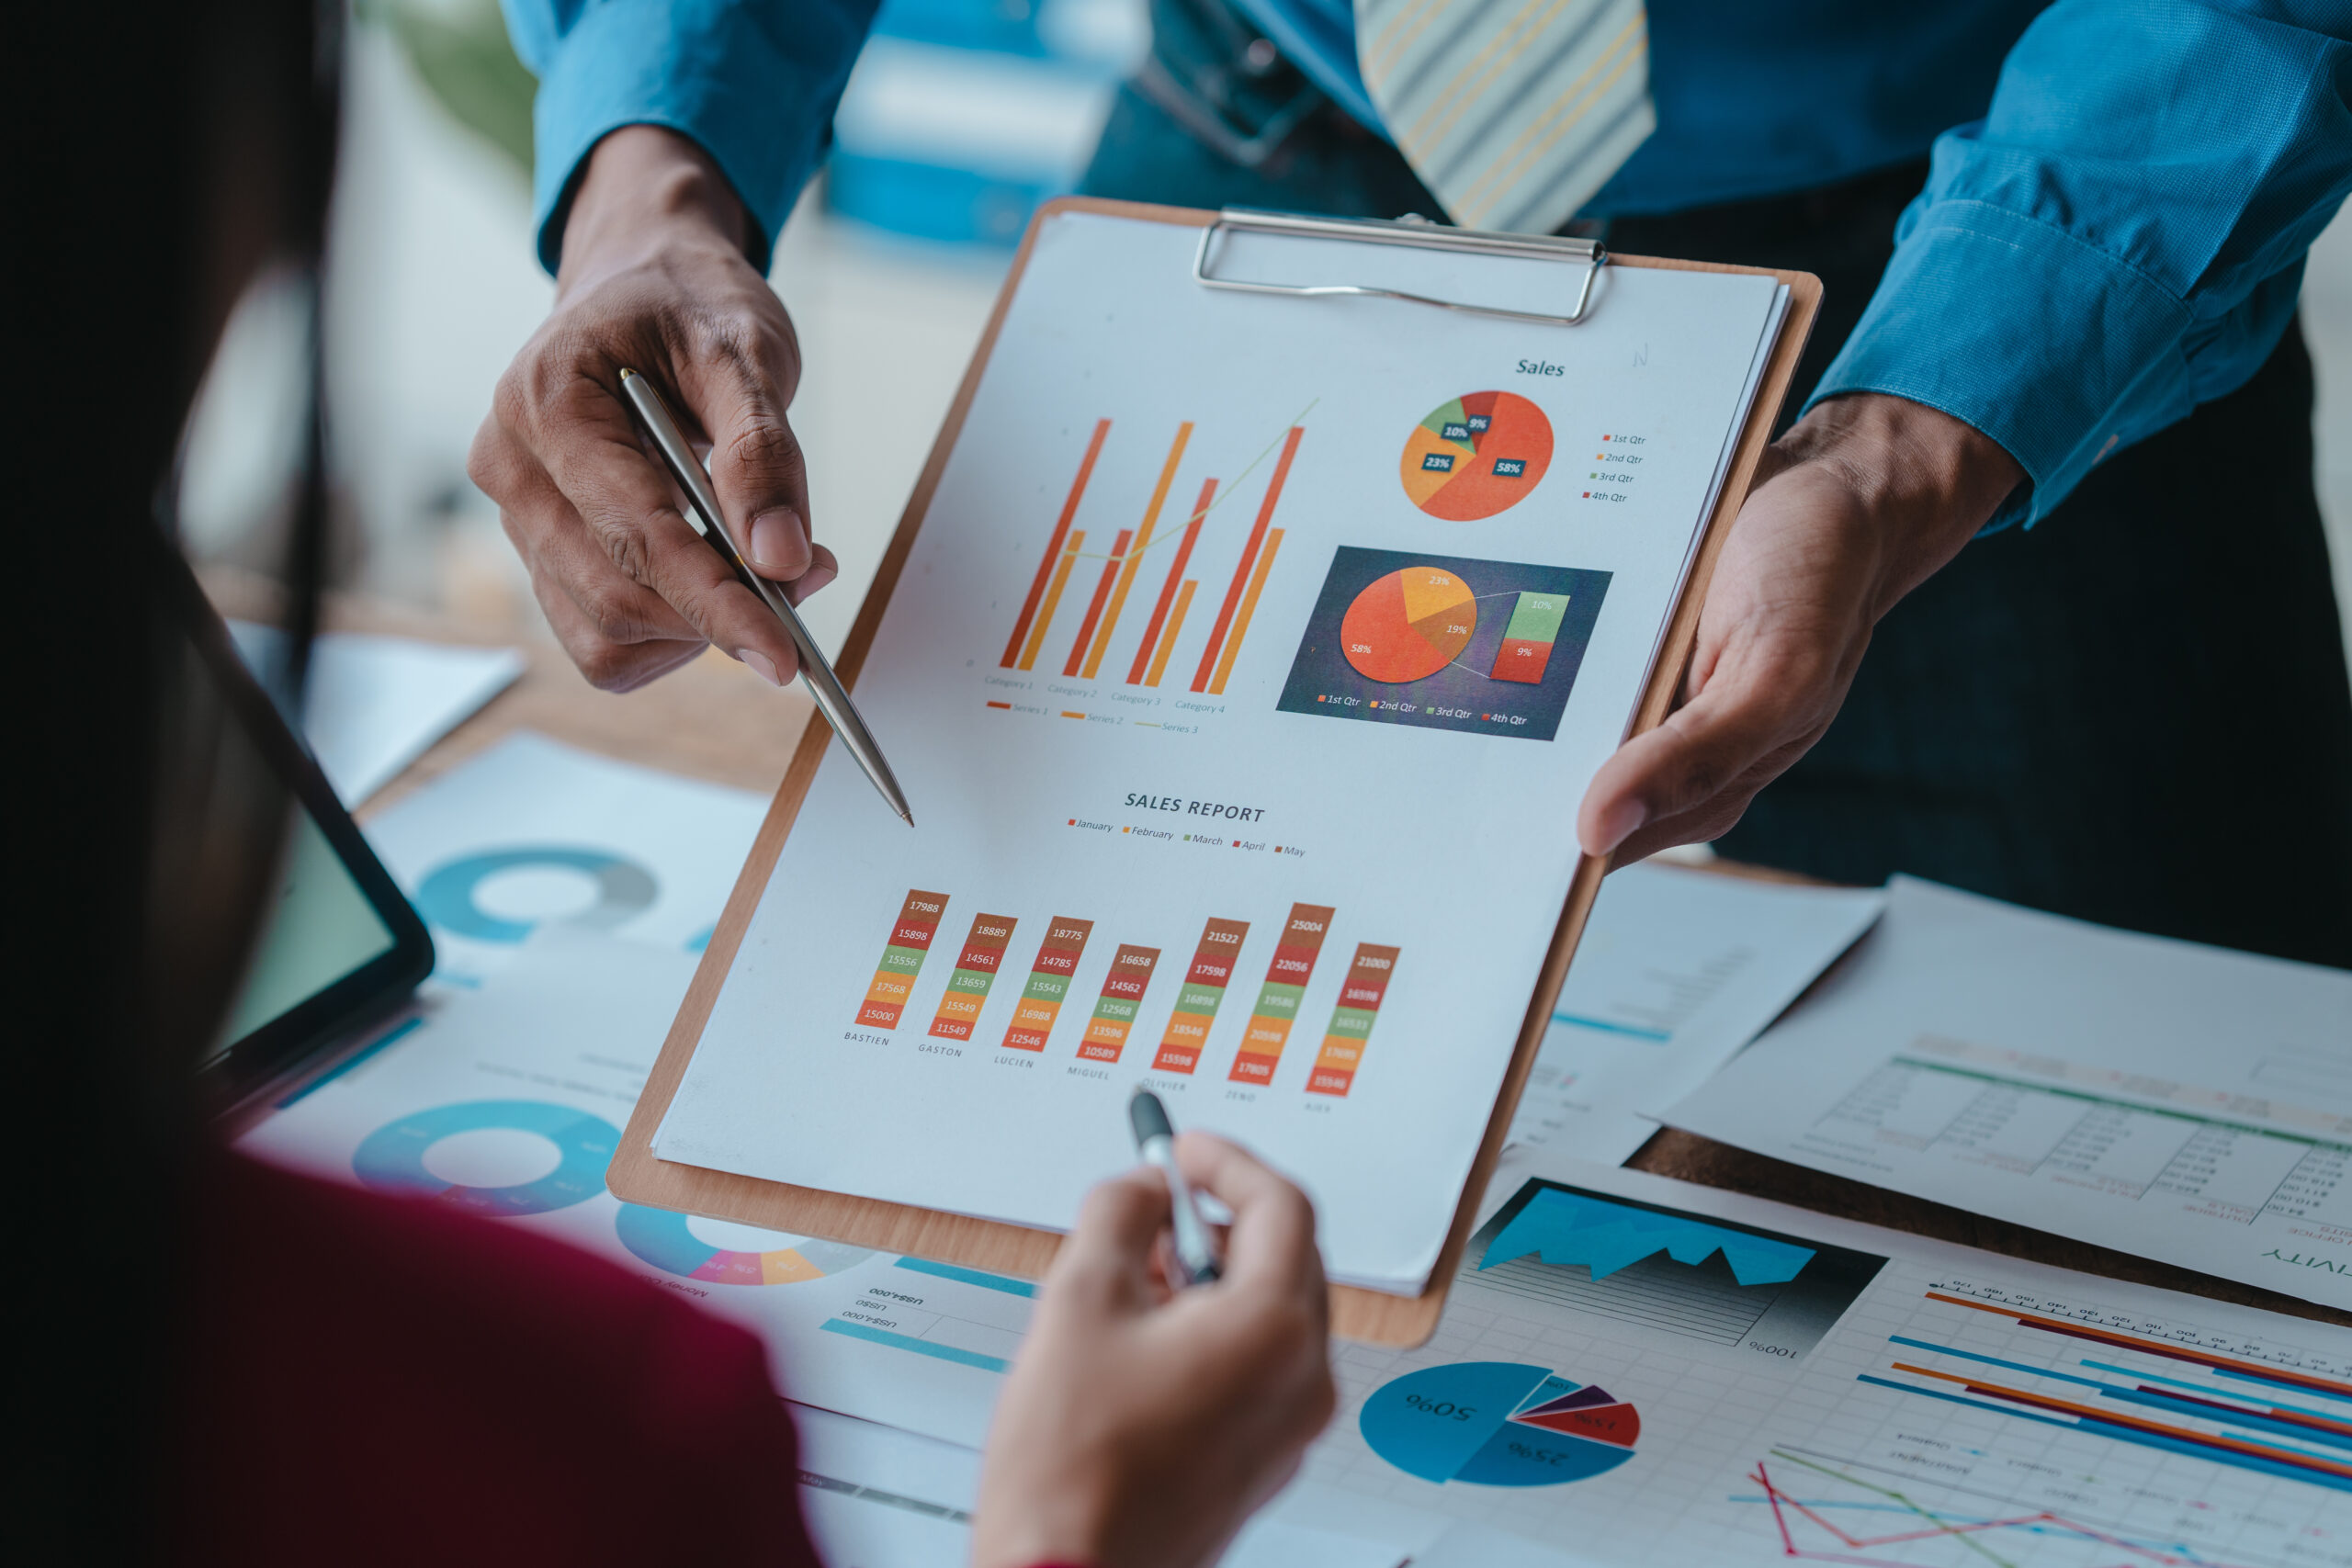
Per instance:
x=761, y=479
x=1107, y=1261
x=1700, y=749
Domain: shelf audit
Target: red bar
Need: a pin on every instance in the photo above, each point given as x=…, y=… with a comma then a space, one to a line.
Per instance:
x=1521, y=660
x=1053, y=545
x=1292, y=965
x=1168, y=589
x=1094, y=609
x=1249, y=558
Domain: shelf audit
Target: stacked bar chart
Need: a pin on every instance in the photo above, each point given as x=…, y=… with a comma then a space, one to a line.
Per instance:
x=1049, y=978
x=976, y=968
x=1116, y=1009
x=1278, y=998
x=1350, y=1027
x=1106, y=590
x=1188, y=1029
x=894, y=977
x=1527, y=640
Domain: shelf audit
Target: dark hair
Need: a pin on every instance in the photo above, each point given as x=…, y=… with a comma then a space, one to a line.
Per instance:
x=164, y=155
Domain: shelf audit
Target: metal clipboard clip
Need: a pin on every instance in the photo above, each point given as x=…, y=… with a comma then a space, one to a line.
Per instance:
x=1418, y=233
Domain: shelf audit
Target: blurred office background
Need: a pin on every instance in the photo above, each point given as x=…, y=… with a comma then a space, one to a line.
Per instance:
x=962, y=115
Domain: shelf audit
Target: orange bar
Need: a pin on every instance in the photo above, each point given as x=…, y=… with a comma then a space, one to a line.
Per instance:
x=1134, y=562
x=1248, y=608
x=2151, y=1347
x=1054, y=545
x=1175, y=626
x=1053, y=598
x=1101, y=592
x=1249, y=555
x=2113, y=1418
x=1168, y=589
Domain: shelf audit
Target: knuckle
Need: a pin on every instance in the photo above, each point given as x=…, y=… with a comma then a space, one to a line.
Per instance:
x=765, y=449
x=628, y=549
x=611, y=609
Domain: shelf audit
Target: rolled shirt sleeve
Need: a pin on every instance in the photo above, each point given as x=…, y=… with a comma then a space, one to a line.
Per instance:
x=754, y=82
x=2122, y=237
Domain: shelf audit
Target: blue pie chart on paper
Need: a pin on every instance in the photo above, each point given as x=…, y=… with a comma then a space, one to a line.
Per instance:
x=391, y=1159
x=446, y=897
x=1499, y=1423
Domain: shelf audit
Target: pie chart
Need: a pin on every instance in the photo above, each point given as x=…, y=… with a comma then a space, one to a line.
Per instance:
x=1408, y=625
x=1499, y=1423
x=660, y=1236
x=1476, y=456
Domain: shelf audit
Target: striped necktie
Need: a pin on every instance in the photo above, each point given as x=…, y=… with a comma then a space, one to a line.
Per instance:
x=1513, y=112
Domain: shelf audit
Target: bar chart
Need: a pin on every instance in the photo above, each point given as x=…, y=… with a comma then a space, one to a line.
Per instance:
x=1101, y=584
x=1122, y=999
x=976, y=968
x=894, y=977
x=1049, y=980
x=1279, y=997
x=1351, y=1020
x=1188, y=1027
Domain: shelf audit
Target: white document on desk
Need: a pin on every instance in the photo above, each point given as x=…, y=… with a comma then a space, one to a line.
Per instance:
x=1329, y=793
x=372, y=704
x=533, y=833
x=2185, y=1103
x=1677, y=970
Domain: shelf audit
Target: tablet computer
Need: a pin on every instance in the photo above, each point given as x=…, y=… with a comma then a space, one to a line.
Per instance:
x=339, y=946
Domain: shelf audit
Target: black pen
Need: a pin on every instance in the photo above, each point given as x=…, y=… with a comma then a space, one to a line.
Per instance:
x=1155, y=1141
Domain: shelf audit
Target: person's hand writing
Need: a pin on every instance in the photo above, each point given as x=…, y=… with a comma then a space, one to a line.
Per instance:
x=1860, y=502
x=1140, y=1427
x=654, y=278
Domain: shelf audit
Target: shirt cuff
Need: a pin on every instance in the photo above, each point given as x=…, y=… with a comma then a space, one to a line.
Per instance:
x=2053, y=348
x=709, y=70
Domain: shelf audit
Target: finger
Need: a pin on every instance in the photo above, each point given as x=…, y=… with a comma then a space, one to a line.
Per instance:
x=1107, y=1259
x=609, y=666
x=738, y=389
x=822, y=569
x=627, y=508
x=1700, y=749
x=1271, y=1239
x=1717, y=815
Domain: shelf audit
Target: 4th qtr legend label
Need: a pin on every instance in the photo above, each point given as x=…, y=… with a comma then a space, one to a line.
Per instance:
x=1196, y=1004
x=967, y=987
x=1278, y=998
x=1343, y=1042
x=911, y=940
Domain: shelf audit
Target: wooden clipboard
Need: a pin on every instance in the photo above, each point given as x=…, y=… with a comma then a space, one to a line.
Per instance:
x=637, y=1176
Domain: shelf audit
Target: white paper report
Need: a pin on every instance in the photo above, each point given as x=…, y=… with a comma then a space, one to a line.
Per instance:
x=1245, y=677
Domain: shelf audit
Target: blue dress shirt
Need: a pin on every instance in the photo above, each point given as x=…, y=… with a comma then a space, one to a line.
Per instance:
x=2113, y=228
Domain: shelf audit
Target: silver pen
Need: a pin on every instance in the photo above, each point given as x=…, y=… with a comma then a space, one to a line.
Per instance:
x=1155, y=1141
x=832, y=696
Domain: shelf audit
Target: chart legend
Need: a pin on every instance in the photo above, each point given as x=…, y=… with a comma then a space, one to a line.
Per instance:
x=1115, y=1010
x=894, y=977
x=967, y=987
x=1499, y=1423
x=1481, y=453
x=1049, y=978
x=1278, y=998
x=1188, y=1028
x=1343, y=1041
x=1444, y=642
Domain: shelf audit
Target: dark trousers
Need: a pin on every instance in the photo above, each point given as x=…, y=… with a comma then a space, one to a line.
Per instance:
x=2135, y=712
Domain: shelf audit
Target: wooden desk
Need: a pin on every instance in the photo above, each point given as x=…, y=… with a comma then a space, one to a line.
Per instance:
x=716, y=720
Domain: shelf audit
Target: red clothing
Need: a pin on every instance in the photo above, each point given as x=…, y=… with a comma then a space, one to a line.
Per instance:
x=380, y=1380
